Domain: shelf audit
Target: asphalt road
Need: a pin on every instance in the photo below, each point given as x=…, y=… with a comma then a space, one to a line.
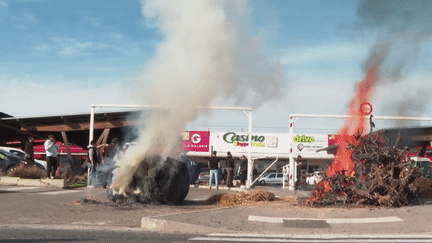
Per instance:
x=79, y=236
x=51, y=236
x=30, y=214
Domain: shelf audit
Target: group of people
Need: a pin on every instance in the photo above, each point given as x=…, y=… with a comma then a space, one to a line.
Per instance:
x=214, y=165
x=51, y=148
x=96, y=155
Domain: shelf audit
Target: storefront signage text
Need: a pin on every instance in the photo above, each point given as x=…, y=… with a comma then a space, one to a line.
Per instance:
x=242, y=140
x=303, y=139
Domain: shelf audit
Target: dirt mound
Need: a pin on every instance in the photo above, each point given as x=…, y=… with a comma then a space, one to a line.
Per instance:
x=240, y=198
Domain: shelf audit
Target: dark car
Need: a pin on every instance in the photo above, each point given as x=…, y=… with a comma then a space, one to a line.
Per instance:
x=9, y=161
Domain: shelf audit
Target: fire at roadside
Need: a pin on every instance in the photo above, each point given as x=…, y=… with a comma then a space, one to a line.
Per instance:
x=383, y=175
x=367, y=170
x=156, y=180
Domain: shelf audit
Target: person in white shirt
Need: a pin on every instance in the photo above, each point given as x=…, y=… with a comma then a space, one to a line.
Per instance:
x=51, y=148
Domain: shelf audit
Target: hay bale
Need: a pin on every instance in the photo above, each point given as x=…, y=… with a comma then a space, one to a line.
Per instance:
x=261, y=195
x=156, y=180
x=240, y=198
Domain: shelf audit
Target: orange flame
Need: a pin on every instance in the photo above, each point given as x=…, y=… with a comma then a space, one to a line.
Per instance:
x=356, y=124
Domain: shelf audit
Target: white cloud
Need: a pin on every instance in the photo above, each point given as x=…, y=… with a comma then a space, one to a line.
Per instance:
x=96, y=22
x=324, y=52
x=76, y=49
x=23, y=27
x=28, y=17
x=42, y=48
x=34, y=96
x=116, y=35
x=69, y=47
x=3, y=4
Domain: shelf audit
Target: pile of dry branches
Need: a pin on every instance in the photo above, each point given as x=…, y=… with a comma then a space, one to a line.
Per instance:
x=28, y=172
x=383, y=176
x=240, y=198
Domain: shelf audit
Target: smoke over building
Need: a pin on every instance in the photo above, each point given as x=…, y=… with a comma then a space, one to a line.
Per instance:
x=208, y=50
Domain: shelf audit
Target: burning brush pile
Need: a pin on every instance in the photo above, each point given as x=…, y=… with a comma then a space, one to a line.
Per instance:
x=382, y=176
x=367, y=170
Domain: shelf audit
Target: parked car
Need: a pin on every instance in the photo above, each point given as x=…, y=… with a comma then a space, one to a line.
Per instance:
x=20, y=153
x=204, y=175
x=9, y=161
x=272, y=178
x=315, y=177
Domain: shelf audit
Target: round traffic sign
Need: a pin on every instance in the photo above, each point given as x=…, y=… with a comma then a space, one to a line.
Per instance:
x=366, y=108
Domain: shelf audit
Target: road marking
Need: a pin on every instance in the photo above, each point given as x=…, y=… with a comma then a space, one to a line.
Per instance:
x=17, y=188
x=29, y=220
x=92, y=223
x=329, y=221
x=60, y=192
x=219, y=239
x=197, y=199
x=222, y=237
x=364, y=220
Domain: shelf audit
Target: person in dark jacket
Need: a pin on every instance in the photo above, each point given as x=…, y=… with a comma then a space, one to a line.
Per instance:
x=111, y=150
x=230, y=169
x=29, y=152
x=214, y=165
x=243, y=169
x=92, y=164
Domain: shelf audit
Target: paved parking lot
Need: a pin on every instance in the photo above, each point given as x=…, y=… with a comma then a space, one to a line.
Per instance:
x=48, y=206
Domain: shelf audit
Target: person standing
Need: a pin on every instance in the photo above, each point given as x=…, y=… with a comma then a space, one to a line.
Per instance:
x=29, y=152
x=51, y=148
x=214, y=164
x=92, y=164
x=243, y=170
x=111, y=150
x=229, y=169
x=254, y=172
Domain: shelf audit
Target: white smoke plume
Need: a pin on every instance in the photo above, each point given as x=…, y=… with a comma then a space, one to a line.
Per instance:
x=208, y=50
x=403, y=28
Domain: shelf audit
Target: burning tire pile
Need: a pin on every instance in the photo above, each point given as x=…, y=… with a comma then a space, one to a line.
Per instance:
x=382, y=176
x=156, y=180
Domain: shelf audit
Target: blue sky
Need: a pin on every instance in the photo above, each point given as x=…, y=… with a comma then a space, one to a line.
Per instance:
x=59, y=57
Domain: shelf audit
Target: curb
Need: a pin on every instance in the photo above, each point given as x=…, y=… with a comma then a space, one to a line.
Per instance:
x=16, y=181
x=9, y=181
x=162, y=225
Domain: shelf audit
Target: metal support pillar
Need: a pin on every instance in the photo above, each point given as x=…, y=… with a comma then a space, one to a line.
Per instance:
x=250, y=160
x=92, y=114
x=292, y=175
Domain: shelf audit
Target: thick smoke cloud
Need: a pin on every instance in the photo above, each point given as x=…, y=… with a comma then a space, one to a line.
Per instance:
x=208, y=50
x=402, y=27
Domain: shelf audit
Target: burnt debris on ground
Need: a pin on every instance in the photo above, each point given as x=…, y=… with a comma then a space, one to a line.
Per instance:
x=383, y=176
